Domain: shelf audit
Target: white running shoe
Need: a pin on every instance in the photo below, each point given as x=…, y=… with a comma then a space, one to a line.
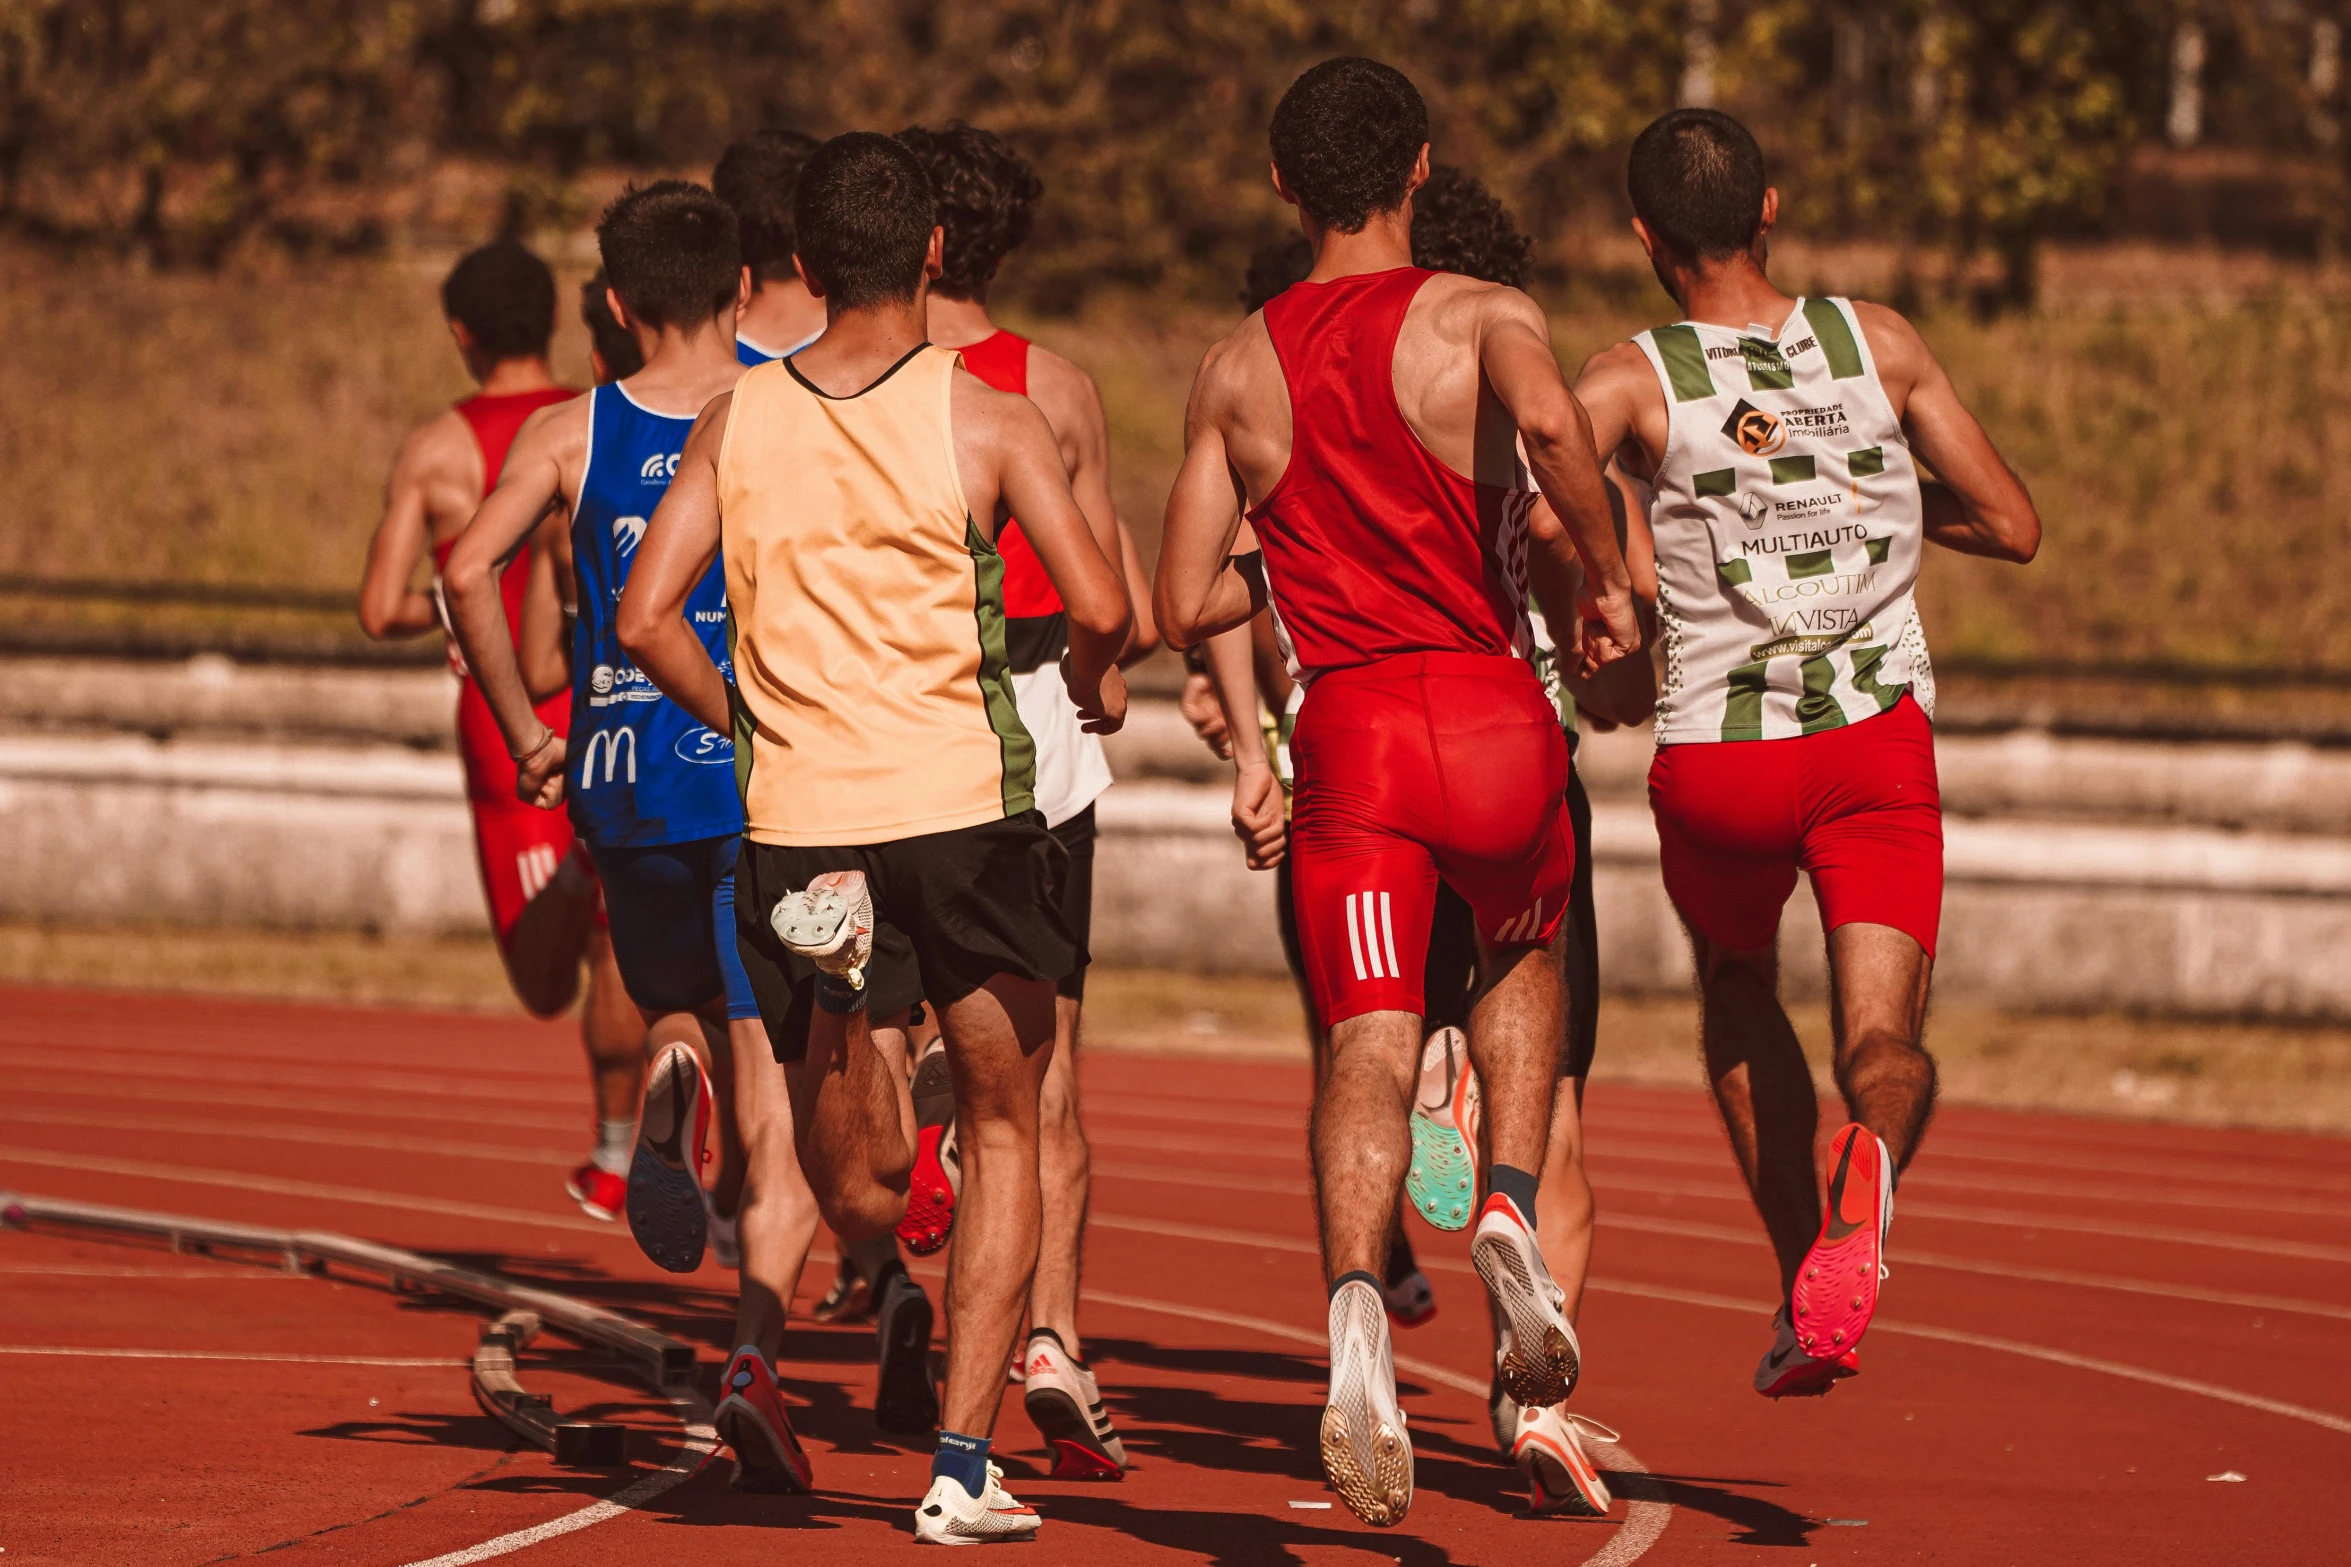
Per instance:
x=1537, y=1356
x=1365, y=1450
x=726, y=1235
x=1502, y=1411
x=1065, y=1403
x=1550, y=1450
x=950, y=1515
x=830, y=923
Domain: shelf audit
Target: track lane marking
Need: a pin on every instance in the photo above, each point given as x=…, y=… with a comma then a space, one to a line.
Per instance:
x=74, y=1351
x=225, y=1273
x=33, y=1086
x=505, y=1153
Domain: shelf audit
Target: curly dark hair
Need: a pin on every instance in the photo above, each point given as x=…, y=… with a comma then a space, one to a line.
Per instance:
x=504, y=297
x=1345, y=138
x=1460, y=226
x=987, y=195
x=1273, y=266
x=756, y=176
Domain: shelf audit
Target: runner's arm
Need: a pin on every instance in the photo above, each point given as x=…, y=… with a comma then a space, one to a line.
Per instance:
x=681, y=540
x=530, y=485
x=1072, y=405
x=1198, y=593
x=1514, y=350
x=1143, y=636
x=1976, y=504
x=1257, y=791
x=544, y=648
x=390, y=605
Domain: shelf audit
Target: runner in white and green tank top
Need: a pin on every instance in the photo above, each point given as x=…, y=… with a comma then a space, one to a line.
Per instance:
x=1788, y=530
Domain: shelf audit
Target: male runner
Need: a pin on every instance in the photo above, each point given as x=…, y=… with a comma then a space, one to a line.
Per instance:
x=1458, y=226
x=1793, y=728
x=776, y=314
x=500, y=305
x=652, y=791
x=1367, y=414
x=987, y=196
x=892, y=845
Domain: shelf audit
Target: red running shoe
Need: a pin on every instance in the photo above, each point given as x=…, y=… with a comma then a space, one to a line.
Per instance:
x=751, y=1420
x=1836, y=1289
x=938, y=1170
x=600, y=1193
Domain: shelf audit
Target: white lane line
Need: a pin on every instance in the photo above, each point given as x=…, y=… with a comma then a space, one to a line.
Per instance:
x=224, y=1272
x=79, y=1352
x=33, y=1086
x=699, y=1447
x=282, y=1132
x=1170, y=1176
x=1760, y=1309
x=1647, y=1512
x=321, y=1064
x=238, y=1181
x=179, y=1069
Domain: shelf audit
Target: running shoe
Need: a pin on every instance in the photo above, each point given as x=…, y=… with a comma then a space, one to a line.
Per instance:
x=600, y=1193
x=1065, y=1404
x=906, y=1400
x=1836, y=1289
x=830, y=923
x=1410, y=1300
x=751, y=1420
x=1502, y=1412
x=726, y=1235
x=665, y=1190
x=1536, y=1352
x=1365, y=1450
x=849, y=1300
x=1443, y=1181
x=1549, y=1449
x=1787, y=1372
x=938, y=1168
x=950, y=1515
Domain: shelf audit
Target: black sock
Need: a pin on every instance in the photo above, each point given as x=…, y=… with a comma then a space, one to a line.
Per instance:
x=1517, y=1185
x=1037, y=1333
x=1345, y=1279
x=837, y=996
x=1402, y=1264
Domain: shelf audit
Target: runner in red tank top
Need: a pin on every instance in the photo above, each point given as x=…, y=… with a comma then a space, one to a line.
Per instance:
x=544, y=904
x=1372, y=417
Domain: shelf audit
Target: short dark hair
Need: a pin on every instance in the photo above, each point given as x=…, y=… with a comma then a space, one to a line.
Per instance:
x=756, y=177
x=1696, y=179
x=615, y=344
x=864, y=215
x=1273, y=266
x=1345, y=137
x=673, y=252
x=986, y=196
x=504, y=297
x=1460, y=226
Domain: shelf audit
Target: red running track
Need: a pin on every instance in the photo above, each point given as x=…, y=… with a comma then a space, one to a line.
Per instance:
x=2086, y=1321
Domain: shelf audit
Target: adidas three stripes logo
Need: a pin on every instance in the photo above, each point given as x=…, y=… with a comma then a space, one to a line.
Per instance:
x=1371, y=934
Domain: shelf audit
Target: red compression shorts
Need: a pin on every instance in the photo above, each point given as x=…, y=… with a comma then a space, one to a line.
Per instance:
x=1412, y=768
x=1856, y=807
x=519, y=846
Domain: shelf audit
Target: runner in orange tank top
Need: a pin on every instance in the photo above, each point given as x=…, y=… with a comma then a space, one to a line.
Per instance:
x=544, y=905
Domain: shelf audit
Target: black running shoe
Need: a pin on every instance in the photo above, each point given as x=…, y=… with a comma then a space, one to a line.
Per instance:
x=907, y=1403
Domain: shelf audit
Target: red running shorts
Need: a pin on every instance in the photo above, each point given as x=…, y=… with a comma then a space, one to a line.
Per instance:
x=519, y=846
x=1857, y=808
x=1412, y=768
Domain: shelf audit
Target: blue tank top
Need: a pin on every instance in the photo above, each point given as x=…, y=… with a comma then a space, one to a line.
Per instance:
x=643, y=770
x=751, y=354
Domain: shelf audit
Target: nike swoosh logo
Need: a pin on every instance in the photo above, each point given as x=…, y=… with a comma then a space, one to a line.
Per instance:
x=1778, y=1357
x=1839, y=1226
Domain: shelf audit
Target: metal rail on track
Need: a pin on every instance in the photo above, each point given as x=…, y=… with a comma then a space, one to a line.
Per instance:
x=663, y=1362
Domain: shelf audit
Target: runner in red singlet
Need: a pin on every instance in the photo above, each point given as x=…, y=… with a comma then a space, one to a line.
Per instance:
x=1370, y=417
x=500, y=305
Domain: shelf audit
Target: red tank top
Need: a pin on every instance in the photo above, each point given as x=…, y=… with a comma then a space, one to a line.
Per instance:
x=1373, y=547
x=1003, y=362
x=489, y=771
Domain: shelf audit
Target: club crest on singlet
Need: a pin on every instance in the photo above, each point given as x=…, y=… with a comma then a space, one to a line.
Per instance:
x=1788, y=527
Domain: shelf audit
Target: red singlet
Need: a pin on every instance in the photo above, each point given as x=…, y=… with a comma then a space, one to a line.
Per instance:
x=1003, y=362
x=1426, y=748
x=519, y=845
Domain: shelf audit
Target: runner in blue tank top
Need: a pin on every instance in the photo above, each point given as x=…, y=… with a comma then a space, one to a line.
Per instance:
x=652, y=792
x=775, y=316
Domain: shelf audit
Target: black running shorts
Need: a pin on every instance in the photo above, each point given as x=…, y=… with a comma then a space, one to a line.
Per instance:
x=1076, y=837
x=952, y=910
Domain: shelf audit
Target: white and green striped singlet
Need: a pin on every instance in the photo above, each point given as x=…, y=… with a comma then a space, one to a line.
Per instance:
x=1788, y=528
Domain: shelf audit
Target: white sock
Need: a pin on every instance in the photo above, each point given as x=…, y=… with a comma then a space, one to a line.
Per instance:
x=615, y=1144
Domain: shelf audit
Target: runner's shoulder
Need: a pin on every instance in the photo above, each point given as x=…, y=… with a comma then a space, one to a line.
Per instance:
x=1062, y=388
x=441, y=447
x=1890, y=334
x=1233, y=362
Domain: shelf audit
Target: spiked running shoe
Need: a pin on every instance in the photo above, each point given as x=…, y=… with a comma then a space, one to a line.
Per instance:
x=1365, y=1450
x=751, y=1420
x=830, y=923
x=1065, y=1404
x=600, y=1193
x=849, y=1300
x=906, y=1402
x=665, y=1190
x=1787, y=1372
x=1536, y=1352
x=1549, y=1449
x=1409, y=1299
x=950, y=1515
x=1502, y=1411
x=937, y=1178
x=1442, y=1183
x=1836, y=1289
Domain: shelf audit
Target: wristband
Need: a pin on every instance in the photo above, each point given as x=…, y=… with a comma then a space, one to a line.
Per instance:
x=521, y=757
